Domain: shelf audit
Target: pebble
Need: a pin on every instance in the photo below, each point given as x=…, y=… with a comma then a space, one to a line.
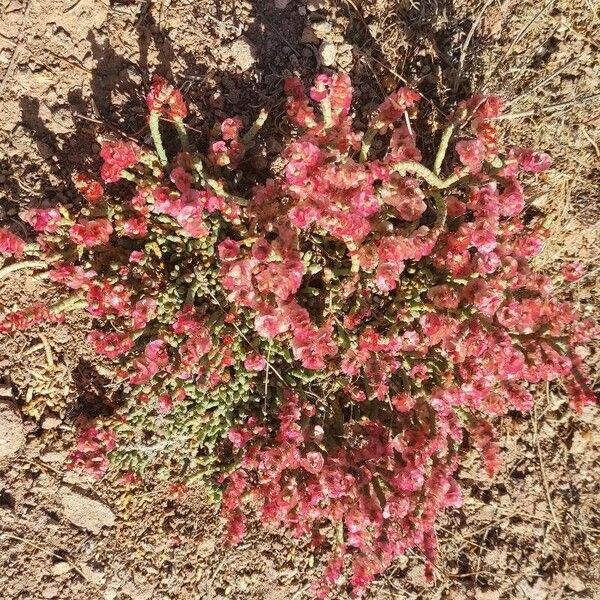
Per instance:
x=50, y=422
x=309, y=36
x=322, y=29
x=281, y=4
x=12, y=432
x=85, y=512
x=243, y=53
x=60, y=568
x=327, y=54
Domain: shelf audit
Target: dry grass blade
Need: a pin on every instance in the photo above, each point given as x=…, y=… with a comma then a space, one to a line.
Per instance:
x=465, y=47
x=519, y=37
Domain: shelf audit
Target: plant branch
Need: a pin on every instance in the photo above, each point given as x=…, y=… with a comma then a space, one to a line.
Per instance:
x=18, y=266
x=443, y=148
x=429, y=176
x=154, y=123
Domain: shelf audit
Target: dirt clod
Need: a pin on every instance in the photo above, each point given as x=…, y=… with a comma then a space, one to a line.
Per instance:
x=85, y=512
x=12, y=432
x=327, y=54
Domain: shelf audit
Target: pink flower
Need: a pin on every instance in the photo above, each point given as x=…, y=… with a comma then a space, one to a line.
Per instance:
x=255, y=362
x=135, y=226
x=45, y=220
x=90, y=233
x=73, y=276
x=230, y=128
x=143, y=312
x=573, y=271
x=191, y=220
x=532, y=161
x=118, y=156
x=10, y=243
x=111, y=344
x=471, y=154
x=229, y=249
x=394, y=106
x=165, y=404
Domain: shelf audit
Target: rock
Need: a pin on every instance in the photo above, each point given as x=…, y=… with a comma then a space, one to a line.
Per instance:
x=327, y=54
x=95, y=576
x=243, y=53
x=50, y=422
x=60, y=568
x=12, y=433
x=308, y=36
x=50, y=591
x=57, y=458
x=314, y=5
x=281, y=4
x=322, y=29
x=574, y=583
x=84, y=512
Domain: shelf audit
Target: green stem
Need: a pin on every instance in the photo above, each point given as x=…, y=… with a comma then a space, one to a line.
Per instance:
x=256, y=127
x=26, y=264
x=182, y=133
x=214, y=185
x=69, y=303
x=367, y=141
x=441, y=153
x=154, y=123
x=429, y=176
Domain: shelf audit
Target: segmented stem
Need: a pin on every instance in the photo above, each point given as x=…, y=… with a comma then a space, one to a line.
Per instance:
x=154, y=123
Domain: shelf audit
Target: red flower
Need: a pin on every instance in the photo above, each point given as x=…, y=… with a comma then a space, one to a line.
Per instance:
x=255, y=362
x=165, y=99
x=110, y=344
x=45, y=220
x=573, y=271
x=91, y=189
x=118, y=156
x=471, y=154
x=94, y=232
x=10, y=243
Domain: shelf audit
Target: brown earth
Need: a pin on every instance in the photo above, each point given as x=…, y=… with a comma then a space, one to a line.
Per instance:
x=72, y=69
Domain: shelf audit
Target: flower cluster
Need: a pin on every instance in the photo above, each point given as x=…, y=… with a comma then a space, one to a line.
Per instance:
x=322, y=345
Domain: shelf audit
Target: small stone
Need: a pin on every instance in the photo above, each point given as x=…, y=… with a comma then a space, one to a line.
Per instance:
x=50, y=422
x=314, y=5
x=243, y=53
x=60, y=568
x=12, y=432
x=95, y=576
x=322, y=29
x=50, y=591
x=327, y=54
x=281, y=4
x=574, y=583
x=308, y=36
x=302, y=10
x=84, y=512
x=57, y=458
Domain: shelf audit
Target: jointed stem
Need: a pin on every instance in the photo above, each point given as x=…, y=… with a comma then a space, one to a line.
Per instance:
x=429, y=176
x=443, y=147
x=25, y=264
x=256, y=127
x=154, y=123
x=69, y=303
x=182, y=133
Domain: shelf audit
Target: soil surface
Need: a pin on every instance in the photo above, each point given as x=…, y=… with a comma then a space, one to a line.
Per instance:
x=73, y=69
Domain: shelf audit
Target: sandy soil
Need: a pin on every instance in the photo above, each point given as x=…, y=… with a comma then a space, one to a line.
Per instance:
x=71, y=69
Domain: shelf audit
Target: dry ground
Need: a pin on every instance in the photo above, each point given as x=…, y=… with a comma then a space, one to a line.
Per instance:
x=70, y=69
